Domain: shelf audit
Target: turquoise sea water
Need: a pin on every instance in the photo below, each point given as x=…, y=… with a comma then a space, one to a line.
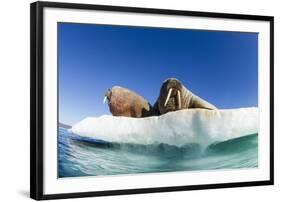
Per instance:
x=79, y=156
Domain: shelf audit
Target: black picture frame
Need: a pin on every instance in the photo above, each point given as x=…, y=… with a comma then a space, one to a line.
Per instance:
x=37, y=99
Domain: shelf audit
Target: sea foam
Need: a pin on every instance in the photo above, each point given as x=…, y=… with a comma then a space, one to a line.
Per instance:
x=175, y=128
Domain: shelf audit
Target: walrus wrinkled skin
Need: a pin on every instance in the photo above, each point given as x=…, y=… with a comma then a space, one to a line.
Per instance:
x=175, y=96
x=124, y=102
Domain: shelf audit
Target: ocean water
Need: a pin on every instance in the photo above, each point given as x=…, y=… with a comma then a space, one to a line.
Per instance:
x=84, y=156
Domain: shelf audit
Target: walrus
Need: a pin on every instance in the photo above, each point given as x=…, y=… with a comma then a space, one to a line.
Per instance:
x=175, y=96
x=124, y=102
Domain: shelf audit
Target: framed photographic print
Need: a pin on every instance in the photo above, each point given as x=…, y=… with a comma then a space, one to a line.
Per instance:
x=136, y=100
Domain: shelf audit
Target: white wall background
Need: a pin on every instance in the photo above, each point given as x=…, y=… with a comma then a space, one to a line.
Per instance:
x=14, y=100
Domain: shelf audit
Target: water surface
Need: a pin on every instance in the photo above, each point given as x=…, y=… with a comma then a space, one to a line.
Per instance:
x=80, y=156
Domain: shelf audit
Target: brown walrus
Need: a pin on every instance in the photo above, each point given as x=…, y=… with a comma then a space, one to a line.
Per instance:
x=124, y=102
x=175, y=96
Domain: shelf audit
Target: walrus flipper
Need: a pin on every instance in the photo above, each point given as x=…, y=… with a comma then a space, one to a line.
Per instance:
x=198, y=102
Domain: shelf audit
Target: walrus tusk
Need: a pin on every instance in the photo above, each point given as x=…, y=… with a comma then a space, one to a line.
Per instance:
x=104, y=99
x=168, y=97
x=179, y=98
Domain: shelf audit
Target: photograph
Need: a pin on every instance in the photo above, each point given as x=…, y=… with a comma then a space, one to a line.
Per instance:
x=134, y=100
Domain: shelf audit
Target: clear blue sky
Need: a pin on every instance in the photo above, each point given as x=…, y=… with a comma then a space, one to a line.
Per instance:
x=221, y=67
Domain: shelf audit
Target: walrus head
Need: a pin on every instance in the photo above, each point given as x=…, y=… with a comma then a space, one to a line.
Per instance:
x=170, y=96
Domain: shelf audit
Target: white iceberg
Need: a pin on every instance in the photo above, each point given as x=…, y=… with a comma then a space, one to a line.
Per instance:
x=175, y=128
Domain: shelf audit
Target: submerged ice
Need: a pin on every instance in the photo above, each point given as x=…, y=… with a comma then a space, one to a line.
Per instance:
x=175, y=128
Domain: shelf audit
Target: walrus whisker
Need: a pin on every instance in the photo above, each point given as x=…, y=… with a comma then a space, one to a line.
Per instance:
x=168, y=97
x=179, y=99
x=104, y=99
